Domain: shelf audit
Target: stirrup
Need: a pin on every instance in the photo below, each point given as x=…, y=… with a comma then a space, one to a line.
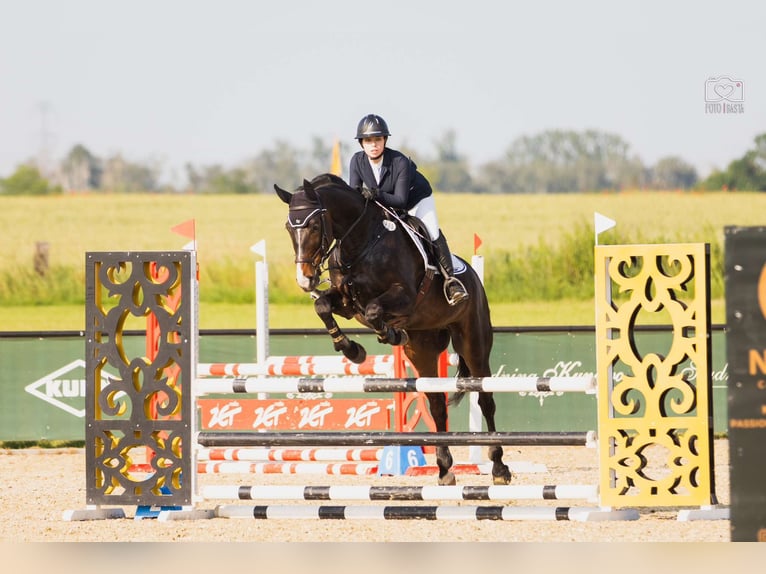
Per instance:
x=458, y=296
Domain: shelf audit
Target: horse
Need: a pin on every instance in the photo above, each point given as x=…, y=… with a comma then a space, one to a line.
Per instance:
x=379, y=276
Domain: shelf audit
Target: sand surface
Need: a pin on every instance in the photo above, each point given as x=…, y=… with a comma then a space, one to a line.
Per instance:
x=39, y=485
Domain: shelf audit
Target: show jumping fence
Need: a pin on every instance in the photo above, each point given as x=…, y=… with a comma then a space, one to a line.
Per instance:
x=652, y=417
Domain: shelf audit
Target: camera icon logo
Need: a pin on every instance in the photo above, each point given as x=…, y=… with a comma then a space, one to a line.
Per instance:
x=724, y=88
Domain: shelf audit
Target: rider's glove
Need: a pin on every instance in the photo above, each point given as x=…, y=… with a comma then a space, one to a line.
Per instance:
x=369, y=194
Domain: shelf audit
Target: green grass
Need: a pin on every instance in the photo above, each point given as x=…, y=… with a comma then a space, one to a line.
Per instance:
x=228, y=225
x=536, y=248
x=231, y=316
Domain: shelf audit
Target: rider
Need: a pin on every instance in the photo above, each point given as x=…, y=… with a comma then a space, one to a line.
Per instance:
x=393, y=179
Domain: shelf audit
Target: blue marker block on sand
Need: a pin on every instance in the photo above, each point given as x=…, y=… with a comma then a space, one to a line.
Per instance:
x=395, y=460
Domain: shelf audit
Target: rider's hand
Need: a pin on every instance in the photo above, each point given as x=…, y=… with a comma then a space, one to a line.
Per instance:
x=369, y=194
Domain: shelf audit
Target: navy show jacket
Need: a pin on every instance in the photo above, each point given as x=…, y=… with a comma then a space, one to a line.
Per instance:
x=401, y=185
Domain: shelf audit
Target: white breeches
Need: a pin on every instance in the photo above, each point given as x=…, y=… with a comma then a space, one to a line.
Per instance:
x=425, y=210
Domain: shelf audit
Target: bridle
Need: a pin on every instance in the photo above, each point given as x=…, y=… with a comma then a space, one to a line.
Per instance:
x=297, y=225
x=328, y=243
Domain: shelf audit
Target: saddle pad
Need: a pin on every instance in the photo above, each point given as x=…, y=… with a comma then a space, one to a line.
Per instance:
x=459, y=265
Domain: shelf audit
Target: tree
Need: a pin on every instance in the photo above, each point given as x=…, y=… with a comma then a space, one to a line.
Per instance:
x=747, y=173
x=217, y=179
x=280, y=165
x=672, y=172
x=449, y=172
x=557, y=161
x=321, y=157
x=122, y=175
x=81, y=170
x=26, y=180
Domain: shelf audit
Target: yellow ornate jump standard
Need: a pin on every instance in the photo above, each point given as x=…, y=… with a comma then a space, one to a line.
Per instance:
x=654, y=404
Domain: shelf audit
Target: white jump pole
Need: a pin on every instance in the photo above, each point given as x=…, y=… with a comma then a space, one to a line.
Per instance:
x=261, y=305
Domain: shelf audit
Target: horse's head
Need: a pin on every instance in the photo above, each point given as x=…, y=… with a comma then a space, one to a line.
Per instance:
x=310, y=231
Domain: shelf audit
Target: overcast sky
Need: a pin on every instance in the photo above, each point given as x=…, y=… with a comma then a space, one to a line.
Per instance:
x=220, y=81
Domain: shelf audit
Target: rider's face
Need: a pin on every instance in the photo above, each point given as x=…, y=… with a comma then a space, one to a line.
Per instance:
x=374, y=146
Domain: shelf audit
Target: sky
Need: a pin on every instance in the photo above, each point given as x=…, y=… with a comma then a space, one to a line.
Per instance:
x=217, y=82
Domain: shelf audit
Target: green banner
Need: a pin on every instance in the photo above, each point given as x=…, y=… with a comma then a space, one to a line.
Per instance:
x=42, y=378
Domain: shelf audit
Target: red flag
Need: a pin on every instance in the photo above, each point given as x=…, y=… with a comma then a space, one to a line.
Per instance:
x=476, y=243
x=185, y=229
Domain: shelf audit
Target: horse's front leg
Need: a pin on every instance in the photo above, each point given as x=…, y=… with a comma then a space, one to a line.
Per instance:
x=437, y=404
x=325, y=305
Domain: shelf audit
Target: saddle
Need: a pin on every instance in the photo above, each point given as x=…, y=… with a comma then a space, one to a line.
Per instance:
x=418, y=233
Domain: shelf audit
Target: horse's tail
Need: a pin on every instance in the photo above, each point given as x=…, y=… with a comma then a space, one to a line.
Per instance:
x=462, y=371
x=455, y=398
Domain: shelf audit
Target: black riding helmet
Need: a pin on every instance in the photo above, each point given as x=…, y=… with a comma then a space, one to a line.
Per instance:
x=371, y=126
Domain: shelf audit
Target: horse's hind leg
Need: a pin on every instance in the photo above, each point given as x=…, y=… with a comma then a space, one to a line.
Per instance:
x=474, y=362
x=423, y=349
x=501, y=474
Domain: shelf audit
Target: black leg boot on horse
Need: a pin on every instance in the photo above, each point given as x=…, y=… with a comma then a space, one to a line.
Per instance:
x=454, y=290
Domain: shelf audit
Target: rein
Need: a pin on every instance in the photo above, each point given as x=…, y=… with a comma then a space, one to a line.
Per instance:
x=346, y=267
x=329, y=244
x=329, y=250
x=338, y=242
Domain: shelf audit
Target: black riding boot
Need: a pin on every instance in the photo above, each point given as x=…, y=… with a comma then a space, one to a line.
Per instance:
x=454, y=290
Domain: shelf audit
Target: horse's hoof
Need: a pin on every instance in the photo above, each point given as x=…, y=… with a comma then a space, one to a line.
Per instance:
x=393, y=337
x=503, y=478
x=447, y=480
x=355, y=353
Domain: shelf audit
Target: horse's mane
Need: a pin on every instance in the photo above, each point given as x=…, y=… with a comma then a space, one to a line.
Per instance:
x=325, y=179
x=302, y=203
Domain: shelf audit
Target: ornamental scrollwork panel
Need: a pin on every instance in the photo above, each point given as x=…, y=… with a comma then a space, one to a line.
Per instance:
x=137, y=413
x=654, y=418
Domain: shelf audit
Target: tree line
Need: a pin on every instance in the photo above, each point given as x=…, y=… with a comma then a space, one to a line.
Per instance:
x=552, y=161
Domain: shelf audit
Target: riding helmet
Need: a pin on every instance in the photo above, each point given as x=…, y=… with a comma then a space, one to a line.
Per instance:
x=371, y=126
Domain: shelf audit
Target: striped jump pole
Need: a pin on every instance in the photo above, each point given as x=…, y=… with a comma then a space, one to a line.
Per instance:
x=313, y=468
x=370, y=439
x=301, y=365
x=291, y=455
x=357, y=384
x=300, y=512
x=492, y=492
x=229, y=466
x=306, y=365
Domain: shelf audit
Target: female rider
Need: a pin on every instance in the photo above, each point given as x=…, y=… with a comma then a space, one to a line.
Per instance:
x=393, y=179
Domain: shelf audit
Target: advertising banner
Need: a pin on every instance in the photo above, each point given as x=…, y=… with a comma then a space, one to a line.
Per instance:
x=745, y=268
x=296, y=414
x=42, y=379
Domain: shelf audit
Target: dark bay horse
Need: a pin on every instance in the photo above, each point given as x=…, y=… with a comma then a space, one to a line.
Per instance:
x=379, y=277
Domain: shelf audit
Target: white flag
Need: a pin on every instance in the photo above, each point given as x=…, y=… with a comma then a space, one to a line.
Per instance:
x=602, y=222
x=259, y=248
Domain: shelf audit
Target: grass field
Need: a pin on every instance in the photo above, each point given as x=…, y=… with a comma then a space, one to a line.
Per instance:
x=230, y=316
x=228, y=225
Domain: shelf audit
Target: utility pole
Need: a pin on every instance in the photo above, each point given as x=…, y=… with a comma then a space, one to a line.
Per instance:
x=44, y=153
